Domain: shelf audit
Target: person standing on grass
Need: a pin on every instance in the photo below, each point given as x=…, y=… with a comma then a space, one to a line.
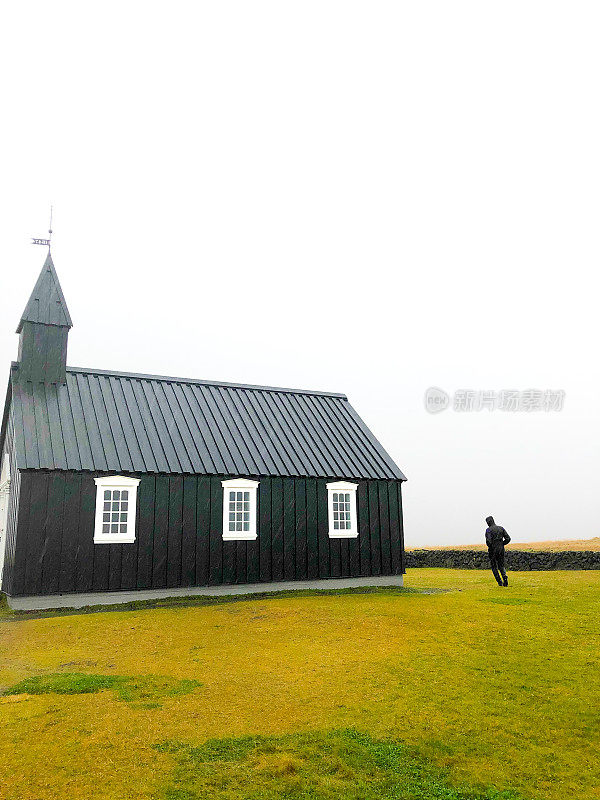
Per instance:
x=495, y=538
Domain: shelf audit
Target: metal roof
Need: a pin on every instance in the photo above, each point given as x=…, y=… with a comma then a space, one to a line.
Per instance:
x=47, y=303
x=104, y=421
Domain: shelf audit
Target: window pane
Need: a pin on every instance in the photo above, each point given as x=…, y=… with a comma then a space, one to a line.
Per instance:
x=124, y=506
x=123, y=517
x=124, y=494
x=115, y=506
x=106, y=529
x=105, y=517
x=336, y=525
x=107, y=506
x=335, y=497
x=116, y=494
x=239, y=511
x=123, y=528
x=107, y=494
x=115, y=518
x=114, y=528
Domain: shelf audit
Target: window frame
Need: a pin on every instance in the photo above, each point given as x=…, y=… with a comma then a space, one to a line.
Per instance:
x=245, y=485
x=113, y=482
x=343, y=486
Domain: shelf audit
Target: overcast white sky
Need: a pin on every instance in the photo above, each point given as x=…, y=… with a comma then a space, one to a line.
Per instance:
x=363, y=197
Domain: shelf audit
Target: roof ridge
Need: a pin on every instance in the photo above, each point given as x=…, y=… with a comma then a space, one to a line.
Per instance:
x=202, y=382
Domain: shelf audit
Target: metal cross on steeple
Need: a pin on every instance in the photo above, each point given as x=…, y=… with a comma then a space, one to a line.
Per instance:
x=45, y=241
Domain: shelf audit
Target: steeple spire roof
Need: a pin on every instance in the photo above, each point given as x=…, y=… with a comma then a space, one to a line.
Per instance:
x=47, y=303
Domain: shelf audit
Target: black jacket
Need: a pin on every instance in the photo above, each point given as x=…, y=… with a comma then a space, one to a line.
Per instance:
x=496, y=537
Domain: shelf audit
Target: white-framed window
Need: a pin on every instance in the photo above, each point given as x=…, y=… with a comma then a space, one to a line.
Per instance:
x=115, y=509
x=239, y=509
x=342, y=510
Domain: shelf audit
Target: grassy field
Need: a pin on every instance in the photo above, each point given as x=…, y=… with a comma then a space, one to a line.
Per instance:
x=471, y=692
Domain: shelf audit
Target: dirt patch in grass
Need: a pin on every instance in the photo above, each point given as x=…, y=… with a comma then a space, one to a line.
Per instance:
x=144, y=691
x=326, y=765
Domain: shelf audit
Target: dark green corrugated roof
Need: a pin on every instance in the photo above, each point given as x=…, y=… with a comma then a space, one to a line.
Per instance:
x=110, y=422
x=47, y=303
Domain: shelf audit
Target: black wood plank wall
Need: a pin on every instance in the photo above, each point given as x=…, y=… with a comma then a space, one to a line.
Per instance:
x=179, y=535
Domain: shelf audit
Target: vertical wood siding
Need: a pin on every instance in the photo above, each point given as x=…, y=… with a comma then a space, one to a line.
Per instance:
x=43, y=352
x=179, y=535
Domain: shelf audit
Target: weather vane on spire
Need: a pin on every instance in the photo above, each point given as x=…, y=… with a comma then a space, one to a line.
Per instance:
x=45, y=242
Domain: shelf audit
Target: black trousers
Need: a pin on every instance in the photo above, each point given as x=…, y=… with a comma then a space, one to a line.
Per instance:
x=497, y=562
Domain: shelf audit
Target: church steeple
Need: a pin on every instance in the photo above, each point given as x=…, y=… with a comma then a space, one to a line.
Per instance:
x=47, y=303
x=44, y=329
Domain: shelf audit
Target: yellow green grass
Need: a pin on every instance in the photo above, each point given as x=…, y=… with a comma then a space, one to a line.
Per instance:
x=473, y=692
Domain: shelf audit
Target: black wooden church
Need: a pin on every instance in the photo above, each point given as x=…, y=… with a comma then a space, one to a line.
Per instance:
x=114, y=481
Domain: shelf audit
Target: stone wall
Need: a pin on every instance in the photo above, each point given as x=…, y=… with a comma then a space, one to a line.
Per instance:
x=515, y=559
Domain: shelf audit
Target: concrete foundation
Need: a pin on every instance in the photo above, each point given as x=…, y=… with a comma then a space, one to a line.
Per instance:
x=45, y=602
